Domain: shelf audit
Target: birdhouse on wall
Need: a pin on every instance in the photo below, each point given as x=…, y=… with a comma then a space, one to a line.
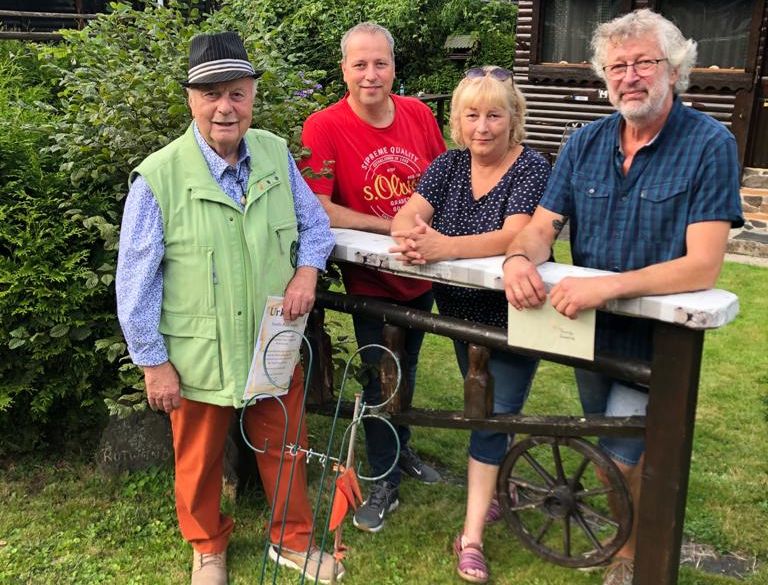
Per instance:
x=460, y=47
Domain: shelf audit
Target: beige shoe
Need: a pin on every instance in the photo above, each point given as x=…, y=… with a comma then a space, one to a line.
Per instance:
x=319, y=566
x=209, y=568
x=620, y=572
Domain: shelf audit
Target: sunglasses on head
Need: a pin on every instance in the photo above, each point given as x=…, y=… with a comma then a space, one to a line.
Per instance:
x=497, y=73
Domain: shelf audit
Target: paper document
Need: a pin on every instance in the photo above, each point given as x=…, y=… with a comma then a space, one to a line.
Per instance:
x=283, y=352
x=544, y=329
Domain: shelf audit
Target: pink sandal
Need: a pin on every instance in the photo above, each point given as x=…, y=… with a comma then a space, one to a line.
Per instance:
x=471, y=558
x=494, y=512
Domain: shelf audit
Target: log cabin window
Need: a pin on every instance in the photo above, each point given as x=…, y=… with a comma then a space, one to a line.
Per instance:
x=560, y=34
x=727, y=33
x=567, y=27
x=720, y=27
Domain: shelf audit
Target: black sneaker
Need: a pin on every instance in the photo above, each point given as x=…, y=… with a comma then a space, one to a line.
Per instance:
x=381, y=500
x=412, y=464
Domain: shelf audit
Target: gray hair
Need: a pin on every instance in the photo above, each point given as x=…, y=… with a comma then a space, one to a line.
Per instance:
x=676, y=49
x=372, y=29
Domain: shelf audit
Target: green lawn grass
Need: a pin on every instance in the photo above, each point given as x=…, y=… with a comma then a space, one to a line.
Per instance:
x=63, y=522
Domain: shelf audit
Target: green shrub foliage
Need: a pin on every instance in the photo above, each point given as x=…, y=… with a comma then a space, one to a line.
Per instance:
x=308, y=33
x=48, y=266
x=85, y=112
x=78, y=115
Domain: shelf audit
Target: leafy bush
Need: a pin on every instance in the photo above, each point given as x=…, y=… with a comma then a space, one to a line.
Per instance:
x=48, y=303
x=309, y=33
x=84, y=113
x=122, y=98
x=77, y=116
x=491, y=23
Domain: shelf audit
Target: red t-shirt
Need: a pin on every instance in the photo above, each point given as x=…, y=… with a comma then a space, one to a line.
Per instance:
x=375, y=171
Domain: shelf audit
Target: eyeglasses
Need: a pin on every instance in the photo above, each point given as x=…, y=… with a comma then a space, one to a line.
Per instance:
x=497, y=73
x=643, y=68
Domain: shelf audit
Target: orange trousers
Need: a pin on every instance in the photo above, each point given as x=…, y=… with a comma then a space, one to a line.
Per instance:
x=199, y=434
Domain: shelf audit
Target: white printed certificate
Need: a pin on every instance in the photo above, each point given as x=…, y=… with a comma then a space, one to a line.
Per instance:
x=282, y=354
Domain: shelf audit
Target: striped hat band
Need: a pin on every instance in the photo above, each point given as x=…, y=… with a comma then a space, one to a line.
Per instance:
x=218, y=57
x=220, y=69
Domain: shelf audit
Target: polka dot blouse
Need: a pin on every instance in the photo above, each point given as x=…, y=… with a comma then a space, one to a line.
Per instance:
x=447, y=186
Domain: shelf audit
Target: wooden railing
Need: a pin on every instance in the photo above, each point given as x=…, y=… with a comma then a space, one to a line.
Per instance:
x=672, y=375
x=30, y=35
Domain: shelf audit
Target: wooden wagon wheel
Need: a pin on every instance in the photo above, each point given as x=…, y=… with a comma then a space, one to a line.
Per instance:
x=558, y=507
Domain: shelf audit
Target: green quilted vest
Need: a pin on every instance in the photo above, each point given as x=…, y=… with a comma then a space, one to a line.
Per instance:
x=220, y=264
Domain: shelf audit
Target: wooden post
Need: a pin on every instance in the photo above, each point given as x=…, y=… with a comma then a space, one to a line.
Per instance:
x=79, y=10
x=669, y=441
x=441, y=113
x=321, y=372
x=478, y=385
x=394, y=339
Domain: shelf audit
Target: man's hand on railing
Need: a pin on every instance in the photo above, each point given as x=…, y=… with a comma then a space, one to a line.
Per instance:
x=522, y=283
x=573, y=294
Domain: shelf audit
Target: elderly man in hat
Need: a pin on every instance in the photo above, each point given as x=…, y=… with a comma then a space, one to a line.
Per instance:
x=214, y=223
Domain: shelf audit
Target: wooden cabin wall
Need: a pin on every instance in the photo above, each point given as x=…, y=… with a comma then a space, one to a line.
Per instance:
x=757, y=147
x=552, y=103
x=35, y=18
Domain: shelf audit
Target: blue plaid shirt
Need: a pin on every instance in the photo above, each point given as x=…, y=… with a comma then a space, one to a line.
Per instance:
x=139, y=265
x=687, y=174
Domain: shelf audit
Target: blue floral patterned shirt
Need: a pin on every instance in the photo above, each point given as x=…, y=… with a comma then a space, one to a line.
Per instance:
x=139, y=282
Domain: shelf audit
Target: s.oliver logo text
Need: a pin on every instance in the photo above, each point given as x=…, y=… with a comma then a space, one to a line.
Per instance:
x=387, y=187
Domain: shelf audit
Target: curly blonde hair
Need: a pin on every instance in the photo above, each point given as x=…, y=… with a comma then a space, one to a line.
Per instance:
x=488, y=91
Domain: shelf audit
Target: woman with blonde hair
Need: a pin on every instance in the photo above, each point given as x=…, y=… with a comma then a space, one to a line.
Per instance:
x=470, y=203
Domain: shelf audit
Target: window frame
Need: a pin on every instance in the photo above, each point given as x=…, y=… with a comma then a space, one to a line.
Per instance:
x=581, y=73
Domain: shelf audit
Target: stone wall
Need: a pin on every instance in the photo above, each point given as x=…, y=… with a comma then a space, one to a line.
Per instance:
x=755, y=178
x=752, y=239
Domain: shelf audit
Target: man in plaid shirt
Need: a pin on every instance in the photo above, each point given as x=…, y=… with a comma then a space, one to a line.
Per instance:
x=651, y=192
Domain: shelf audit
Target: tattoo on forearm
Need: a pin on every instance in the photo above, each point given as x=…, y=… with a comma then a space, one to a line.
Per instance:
x=559, y=224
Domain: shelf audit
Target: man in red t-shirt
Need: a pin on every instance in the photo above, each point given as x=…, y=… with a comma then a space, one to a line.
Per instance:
x=376, y=145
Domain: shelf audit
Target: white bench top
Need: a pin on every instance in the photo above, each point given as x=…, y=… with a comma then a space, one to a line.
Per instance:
x=706, y=309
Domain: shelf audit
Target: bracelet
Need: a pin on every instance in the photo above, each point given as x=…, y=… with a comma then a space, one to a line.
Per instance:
x=518, y=255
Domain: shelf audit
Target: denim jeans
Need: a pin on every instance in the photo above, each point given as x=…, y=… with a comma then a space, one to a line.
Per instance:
x=512, y=377
x=380, y=444
x=606, y=396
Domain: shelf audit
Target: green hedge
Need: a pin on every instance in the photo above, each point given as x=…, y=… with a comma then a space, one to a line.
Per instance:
x=77, y=116
x=47, y=301
x=308, y=33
